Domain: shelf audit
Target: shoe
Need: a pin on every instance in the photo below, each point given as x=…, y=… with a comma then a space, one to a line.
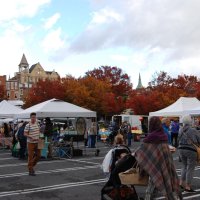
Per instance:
x=182, y=187
x=32, y=173
x=190, y=190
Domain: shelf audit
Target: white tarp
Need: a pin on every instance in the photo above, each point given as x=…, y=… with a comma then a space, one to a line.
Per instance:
x=181, y=107
x=195, y=111
x=55, y=108
x=7, y=110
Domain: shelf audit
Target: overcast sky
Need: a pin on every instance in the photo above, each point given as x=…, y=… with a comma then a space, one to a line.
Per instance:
x=74, y=36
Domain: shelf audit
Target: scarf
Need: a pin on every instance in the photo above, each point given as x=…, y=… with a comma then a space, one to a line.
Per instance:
x=156, y=137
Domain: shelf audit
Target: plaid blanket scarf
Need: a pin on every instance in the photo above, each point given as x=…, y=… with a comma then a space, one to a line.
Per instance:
x=156, y=160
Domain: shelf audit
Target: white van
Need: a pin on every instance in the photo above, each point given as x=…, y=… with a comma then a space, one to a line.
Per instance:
x=139, y=121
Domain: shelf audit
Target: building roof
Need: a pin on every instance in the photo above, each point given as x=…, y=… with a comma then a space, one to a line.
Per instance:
x=13, y=79
x=23, y=61
x=139, y=86
x=32, y=67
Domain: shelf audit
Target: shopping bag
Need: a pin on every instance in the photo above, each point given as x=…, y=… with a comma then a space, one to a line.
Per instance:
x=134, y=177
x=17, y=146
x=41, y=143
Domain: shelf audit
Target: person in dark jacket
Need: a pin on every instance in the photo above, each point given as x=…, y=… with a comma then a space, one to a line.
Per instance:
x=174, y=133
x=188, y=154
x=154, y=157
x=22, y=141
x=6, y=130
x=48, y=132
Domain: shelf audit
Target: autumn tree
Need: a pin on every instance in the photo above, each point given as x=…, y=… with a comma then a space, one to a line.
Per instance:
x=120, y=81
x=162, y=91
x=43, y=91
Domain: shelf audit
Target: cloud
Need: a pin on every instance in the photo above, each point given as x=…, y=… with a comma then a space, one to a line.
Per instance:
x=171, y=25
x=51, y=21
x=10, y=9
x=105, y=15
x=53, y=41
x=15, y=35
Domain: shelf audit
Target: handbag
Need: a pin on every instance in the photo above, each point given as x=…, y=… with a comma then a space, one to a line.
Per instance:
x=134, y=176
x=198, y=151
x=41, y=144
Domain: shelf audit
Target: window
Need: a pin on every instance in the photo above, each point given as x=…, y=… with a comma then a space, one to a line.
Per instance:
x=8, y=95
x=12, y=86
x=8, y=86
x=21, y=91
x=16, y=85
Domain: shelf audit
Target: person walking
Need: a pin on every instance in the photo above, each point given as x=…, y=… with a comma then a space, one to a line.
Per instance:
x=32, y=132
x=154, y=157
x=48, y=132
x=129, y=134
x=188, y=154
x=165, y=125
x=92, y=135
x=22, y=141
x=174, y=133
x=124, y=130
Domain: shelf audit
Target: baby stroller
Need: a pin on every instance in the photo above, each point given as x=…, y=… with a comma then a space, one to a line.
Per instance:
x=122, y=160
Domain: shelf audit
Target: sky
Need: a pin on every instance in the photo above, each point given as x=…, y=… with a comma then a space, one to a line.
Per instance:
x=74, y=36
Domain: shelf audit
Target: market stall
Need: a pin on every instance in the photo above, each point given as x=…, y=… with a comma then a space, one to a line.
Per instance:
x=7, y=113
x=8, y=110
x=183, y=106
x=60, y=110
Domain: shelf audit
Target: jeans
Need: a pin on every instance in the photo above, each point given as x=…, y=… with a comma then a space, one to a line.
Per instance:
x=189, y=160
x=92, y=141
x=34, y=155
x=174, y=136
x=129, y=139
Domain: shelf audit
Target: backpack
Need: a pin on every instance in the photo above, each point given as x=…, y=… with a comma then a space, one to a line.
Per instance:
x=20, y=133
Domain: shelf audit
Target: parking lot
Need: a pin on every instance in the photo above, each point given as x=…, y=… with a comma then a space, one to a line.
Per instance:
x=73, y=179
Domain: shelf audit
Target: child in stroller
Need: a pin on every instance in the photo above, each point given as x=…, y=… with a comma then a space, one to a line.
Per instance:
x=118, y=159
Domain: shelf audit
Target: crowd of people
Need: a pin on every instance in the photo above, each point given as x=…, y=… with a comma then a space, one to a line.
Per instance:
x=154, y=157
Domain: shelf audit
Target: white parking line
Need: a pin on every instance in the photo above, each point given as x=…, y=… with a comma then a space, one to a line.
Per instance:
x=49, y=171
x=196, y=168
x=8, y=158
x=47, y=162
x=5, y=153
x=52, y=187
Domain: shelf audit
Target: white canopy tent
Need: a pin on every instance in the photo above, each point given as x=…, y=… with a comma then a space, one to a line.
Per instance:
x=181, y=107
x=8, y=110
x=55, y=108
x=195, y=111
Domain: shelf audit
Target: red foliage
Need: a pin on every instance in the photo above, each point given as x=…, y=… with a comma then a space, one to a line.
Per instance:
x=120, y=82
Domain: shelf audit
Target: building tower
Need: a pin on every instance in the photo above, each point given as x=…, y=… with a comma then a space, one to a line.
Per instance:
x=139, y=86
x=23, y=65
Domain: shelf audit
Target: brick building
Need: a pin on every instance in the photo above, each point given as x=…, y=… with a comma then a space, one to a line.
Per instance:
x=2, y=87
x=25, y=78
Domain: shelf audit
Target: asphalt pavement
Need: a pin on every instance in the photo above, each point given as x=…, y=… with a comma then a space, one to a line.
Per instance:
x=79, y=178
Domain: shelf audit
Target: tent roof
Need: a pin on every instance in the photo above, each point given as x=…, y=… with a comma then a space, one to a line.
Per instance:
x=55, y=108
x=181, y=107
x=8, y=110
x=195, y=111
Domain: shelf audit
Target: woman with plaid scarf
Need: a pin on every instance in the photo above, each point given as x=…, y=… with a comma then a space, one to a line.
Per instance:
x=154, y=157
